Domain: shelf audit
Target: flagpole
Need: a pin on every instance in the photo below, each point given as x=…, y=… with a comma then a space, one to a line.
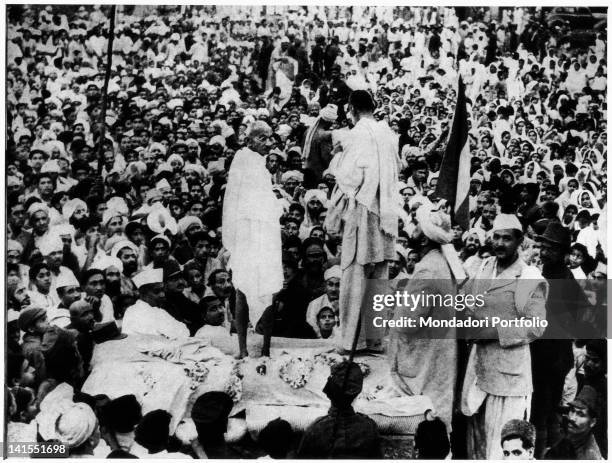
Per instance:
x=109, y=64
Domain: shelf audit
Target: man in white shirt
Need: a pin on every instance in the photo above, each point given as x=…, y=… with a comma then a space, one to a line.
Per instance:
x=145, y=316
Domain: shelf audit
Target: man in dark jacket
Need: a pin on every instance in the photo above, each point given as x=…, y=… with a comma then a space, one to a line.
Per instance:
x=551, y=356
x=177, y=304
x=431, y=438
x=342, y=433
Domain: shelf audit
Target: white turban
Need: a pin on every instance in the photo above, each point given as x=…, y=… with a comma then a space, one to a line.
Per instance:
x=315, y=194
x=199, y=170
x=109, y=214
x=159, y=146
x=435, y=223
x=332, y=272
x=292, y=174
x=107, y=261
x=175, y=157
x=479, y=232
x=38, y=207
x=71, y=206
x=188, y=221
x=75, y=425
x=118, y=204
x=122, y=245
x=506, y=222
x=51, y=244
x=329, y=113
x=51, y=166
x=13, y=245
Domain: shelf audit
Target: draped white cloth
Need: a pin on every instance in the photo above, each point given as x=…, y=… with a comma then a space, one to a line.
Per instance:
x=251, y=230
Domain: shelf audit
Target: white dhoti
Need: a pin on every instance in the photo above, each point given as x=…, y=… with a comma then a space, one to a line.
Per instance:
x=484, y=427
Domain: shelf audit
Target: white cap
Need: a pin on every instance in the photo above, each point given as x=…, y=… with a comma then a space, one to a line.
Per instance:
x=107, y=261
x=66, y=279
x=332, y=272
x=506, y=222
x=148, y=277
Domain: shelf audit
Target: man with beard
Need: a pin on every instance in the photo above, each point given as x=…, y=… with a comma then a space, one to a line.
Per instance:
x=127, y=253
x=579, y=442
x=472, y=240
x=498, y=381
x=251, y=230
x=552, y=357
x=330, y=299
x=176, y=303
x=146, y=316
x=187, y=227
x=112, y=269
x=220, y=285
x=38, y=214
x=423, y=360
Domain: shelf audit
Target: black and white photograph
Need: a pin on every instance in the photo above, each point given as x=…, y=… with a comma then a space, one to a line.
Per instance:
x=305, y=232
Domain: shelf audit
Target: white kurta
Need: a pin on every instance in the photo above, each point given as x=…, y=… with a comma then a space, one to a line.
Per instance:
x=251, y=231
x=142, y=318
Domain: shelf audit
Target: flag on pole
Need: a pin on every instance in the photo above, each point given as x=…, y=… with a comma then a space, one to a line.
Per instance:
x=454, y=179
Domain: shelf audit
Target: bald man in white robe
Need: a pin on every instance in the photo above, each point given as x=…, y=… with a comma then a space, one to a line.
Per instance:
x=251, y=231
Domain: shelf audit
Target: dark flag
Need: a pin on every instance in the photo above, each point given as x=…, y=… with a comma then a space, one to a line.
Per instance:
x=454, y=180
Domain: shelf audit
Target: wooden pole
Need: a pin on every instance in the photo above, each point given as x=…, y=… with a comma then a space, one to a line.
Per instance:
x=109, y=65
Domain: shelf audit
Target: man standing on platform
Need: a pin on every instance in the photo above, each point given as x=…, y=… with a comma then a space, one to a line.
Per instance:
x=364, y=208
x=251, y=231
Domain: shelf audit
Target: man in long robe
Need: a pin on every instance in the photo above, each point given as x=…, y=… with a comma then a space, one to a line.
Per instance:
x=423, y=360
x=364, y=206
x=251, y=231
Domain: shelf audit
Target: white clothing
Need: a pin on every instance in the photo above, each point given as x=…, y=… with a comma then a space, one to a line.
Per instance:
x=142, y=318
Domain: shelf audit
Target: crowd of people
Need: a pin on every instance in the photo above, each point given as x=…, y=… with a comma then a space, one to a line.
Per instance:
x=115, y=226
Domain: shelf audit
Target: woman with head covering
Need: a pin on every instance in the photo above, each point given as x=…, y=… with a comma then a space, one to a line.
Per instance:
x=585, y=200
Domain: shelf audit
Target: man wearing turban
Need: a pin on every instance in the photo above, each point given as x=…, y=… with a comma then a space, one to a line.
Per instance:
x=318, y=146
x=423, y=360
